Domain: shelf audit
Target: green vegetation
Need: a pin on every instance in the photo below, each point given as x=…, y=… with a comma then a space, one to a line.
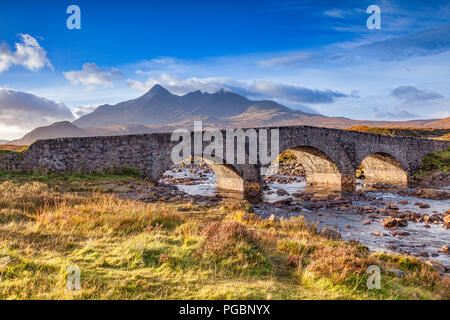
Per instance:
x=435, y=161
x=165, y=250
x=115, y=173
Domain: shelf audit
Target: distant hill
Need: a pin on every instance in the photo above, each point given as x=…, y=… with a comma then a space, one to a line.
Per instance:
x=63, y=129
x=4, y=141
x=405, y=132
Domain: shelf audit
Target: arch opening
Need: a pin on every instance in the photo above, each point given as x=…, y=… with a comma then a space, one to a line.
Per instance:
x=382, y=168
x=204, y=177
x=316, y=165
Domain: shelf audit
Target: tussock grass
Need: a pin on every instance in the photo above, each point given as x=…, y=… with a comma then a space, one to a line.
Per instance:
x=133, y=250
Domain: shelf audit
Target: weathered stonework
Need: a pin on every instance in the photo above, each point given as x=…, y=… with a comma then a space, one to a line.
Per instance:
x=330, y=156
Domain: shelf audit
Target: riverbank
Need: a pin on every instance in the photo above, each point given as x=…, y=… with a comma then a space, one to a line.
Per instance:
x=134, y=240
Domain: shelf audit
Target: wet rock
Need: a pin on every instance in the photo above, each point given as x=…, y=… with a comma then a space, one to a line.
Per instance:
x=282, y=192
x=403, y=202
x=424, y=254
x=366, y=223
x=427, y=226
x=283, y=203
x=432, y=194
x=424, y=206
x=445, y=249
x=378, y=234
x=400, y=233
x=391, y=222
x=330, y=234
x=446, y=219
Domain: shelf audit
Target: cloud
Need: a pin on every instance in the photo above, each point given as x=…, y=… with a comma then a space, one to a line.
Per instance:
x=294, y=93
x=255, y=89
x=181, y=86
x=422, y=43
x=291, y=60
x=339, y=13
x=28, y=54
x=91, y=75
x=27, y=111
x=411, y=94
x=83, y=110
x=396, y=114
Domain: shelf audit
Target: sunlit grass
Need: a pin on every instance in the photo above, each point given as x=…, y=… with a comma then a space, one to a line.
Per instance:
x=134, y=250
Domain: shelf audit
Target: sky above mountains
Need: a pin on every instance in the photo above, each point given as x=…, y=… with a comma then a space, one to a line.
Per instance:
x=309, y=55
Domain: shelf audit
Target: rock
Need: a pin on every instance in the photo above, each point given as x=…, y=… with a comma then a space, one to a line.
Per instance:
x=330, y=234
x=424, y=205
x=403, y=202
x=427, y=226
x=366, y=222
x=399, y=273
x=400, y=233
x=444, y=249
x=378, y=234
x=272, y=218
x=282, y=192
x=446, y=219
x=424, y=254
x=391, y=222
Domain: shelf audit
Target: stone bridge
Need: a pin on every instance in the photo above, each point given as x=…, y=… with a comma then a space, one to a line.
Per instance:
x=329, y=156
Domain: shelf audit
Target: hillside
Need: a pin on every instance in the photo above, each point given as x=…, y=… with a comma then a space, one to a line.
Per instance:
x=406, y=132
x=64, y=129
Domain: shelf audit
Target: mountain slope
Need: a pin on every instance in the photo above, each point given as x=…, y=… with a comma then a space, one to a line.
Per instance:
x=63, y=129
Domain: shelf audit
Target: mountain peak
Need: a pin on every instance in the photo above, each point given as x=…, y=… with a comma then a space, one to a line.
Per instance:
x=157, y=89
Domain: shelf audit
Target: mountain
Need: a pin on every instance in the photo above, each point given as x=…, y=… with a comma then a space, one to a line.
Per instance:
x=4, y=141
x=160, y=107
x=63, y=129
x=161, y=111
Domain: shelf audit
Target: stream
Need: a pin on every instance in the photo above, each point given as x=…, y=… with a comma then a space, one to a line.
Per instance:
x=359, y=220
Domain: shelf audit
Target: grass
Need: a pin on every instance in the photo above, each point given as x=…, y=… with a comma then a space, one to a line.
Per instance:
x=133, y=250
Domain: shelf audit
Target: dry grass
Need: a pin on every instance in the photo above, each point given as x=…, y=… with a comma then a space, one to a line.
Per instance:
x=133, y=250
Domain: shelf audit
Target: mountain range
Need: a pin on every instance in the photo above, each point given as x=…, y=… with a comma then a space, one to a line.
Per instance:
x=158, y=110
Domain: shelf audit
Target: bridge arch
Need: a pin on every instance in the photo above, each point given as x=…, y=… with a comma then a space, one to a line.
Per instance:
x=239, y=178
x=383, y=167
x=319, y=167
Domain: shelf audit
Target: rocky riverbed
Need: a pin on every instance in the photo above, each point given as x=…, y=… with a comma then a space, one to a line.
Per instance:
x=412, y=221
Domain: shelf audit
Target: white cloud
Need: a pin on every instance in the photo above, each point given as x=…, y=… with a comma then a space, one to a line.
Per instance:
x=24, y=111
x=91, y=75
x=83, y=110
x=291, y=60
x=28, y=54
x=181, y=86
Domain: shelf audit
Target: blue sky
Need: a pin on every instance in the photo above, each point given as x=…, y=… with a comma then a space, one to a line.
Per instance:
x=312, y=55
